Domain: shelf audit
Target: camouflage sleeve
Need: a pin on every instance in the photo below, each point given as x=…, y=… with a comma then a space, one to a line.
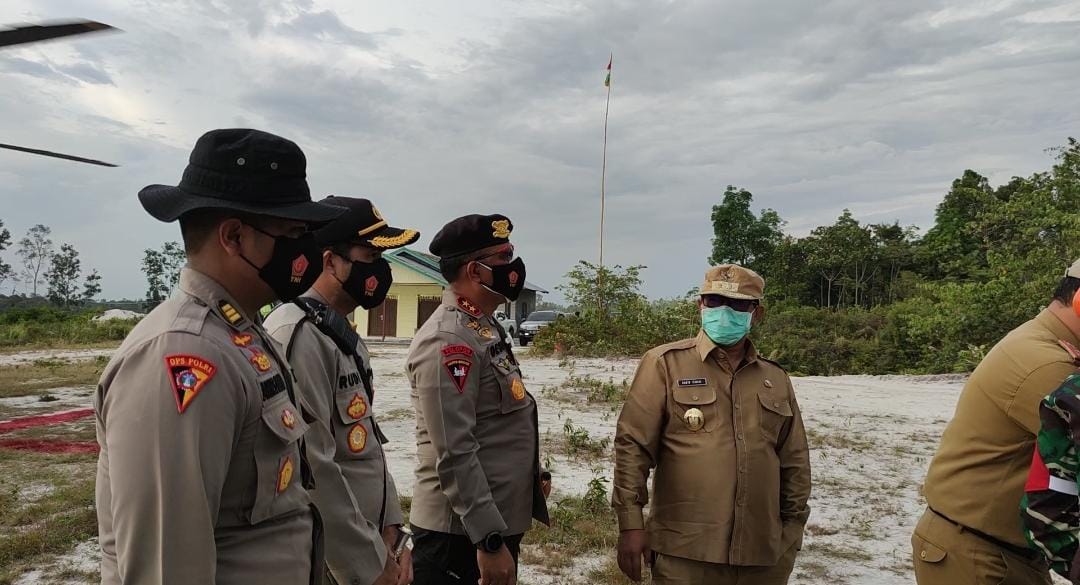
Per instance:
x=1050, y=509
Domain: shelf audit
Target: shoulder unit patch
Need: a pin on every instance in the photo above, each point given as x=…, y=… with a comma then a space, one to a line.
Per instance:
x=188, y=375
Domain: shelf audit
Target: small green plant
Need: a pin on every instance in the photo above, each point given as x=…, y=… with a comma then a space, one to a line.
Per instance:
x=578, y=441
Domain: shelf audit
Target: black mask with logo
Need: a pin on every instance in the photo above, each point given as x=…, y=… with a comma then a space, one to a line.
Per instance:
x=294, y=266
x=368, y=282
x=507, y=280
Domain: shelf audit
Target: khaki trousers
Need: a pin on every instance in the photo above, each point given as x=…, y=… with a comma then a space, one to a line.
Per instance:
x=669, y=570
x=947, y=554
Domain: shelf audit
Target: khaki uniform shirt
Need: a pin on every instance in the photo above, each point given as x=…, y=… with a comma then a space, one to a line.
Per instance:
x=977, y=476
x=735, y=490
x=199, y=476
x=352, y=484
x=478, y=467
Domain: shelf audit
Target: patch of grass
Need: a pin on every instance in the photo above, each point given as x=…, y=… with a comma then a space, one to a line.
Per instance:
x=406, y=506
x=835, y=551
x=579, y=525
x=27, y=379
x=811, y=571
x=823, y=436
x=49, y=328
x=598, y=391
x=819, y=530
x=609, y=574
x=576, y=443
x=396, y=414
x=32, y=532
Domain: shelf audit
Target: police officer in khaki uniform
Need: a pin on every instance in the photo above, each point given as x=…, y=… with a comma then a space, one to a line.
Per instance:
x=971, y=531
x=201, y=472
x=354, y=489
x=478, y=477
x=722, y=427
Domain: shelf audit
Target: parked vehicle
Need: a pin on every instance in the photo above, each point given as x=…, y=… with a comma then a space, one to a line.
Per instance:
x=508, y=324
x=532, y=324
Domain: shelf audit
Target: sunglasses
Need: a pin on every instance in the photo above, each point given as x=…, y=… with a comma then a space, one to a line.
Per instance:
x=740, y=305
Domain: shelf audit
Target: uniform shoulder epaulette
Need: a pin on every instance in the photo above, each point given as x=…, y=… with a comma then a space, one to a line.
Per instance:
x=688, y=343
x=190, y=318
x=1073, y=352
x=771, y=361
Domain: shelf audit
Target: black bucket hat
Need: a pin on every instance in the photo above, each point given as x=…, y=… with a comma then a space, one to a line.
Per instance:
x=362, y=224
x=245, y=170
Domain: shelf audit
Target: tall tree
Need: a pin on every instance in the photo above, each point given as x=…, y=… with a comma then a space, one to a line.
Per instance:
x=955, y=247
x=63, y=277
x=35, y=251
x=741, y=237
x=91, y=286
x=162, y=270
x=6, y=271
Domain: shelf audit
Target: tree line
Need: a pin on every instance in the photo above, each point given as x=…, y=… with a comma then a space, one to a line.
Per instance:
x=859, y=297
x=43, y=268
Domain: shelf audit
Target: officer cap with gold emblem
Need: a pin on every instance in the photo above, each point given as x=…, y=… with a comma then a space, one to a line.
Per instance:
x=362, y=224
x=470, y=233
x=733, y=281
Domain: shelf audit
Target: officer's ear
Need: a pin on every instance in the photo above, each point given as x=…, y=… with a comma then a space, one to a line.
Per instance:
x=759, y=314
x=472, y=271
x=230, y=235
x=327, y=260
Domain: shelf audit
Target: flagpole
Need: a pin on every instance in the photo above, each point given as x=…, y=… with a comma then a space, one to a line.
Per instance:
x=603, y=164
x=603, y=188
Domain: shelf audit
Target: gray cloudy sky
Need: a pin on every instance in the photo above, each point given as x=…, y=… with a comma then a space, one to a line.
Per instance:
x=435, y=109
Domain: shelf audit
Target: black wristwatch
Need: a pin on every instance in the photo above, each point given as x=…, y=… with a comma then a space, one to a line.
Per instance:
x=491, y=543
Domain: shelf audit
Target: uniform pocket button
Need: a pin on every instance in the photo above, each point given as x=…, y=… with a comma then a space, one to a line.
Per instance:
x=694, y=397
x=922, y=555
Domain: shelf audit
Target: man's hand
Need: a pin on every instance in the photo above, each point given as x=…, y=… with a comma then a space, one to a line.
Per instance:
x=390, y=572
x=496, y=568
x=404, y=561
x=633, y=545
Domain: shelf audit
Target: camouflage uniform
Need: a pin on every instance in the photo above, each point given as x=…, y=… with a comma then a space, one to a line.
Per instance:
x=1050, y=508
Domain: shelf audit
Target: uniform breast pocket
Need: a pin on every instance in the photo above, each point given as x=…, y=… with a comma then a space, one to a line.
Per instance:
x=277, y=460
x=354, y=430
x=775, y=413
x=512, y=394
x=695, y=409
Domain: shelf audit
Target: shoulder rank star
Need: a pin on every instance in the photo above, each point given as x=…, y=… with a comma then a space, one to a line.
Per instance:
x=468, y=306
x=486, y=332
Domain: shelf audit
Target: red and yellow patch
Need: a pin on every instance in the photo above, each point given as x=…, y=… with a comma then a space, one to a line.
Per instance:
x=357, y=438
x=517, y=388
x=188, y=375
x=468, y=306
x=288, y=418
x=285, y=473
x=242, y=339
x=260, y=360
x=457, y=350
x=370, y=285
x=299, y=267
x=357, y=407
x=458, y=368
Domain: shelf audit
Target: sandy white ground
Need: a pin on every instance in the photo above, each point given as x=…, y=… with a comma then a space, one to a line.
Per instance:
x=872, y=438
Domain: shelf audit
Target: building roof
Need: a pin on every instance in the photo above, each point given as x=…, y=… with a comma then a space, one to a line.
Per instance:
x=428, y=265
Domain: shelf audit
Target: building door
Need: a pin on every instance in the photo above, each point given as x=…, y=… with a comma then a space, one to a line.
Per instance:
x=425, y=307
x=382, y=322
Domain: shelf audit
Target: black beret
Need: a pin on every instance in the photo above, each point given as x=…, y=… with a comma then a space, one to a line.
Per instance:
x=362, y=224
x=470, y=233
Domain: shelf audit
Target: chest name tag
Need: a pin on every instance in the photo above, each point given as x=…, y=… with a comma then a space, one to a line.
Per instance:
x=688, y=382
x=272, y=387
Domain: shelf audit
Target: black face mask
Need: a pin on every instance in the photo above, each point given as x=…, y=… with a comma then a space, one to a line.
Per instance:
x=506, y=279
x=368, y=282
x=294, y=266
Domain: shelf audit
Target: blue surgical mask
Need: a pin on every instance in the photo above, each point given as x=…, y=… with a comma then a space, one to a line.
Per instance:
x=724, y=325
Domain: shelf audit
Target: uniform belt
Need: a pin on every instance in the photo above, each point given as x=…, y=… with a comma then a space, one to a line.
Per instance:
x=1026, y=553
